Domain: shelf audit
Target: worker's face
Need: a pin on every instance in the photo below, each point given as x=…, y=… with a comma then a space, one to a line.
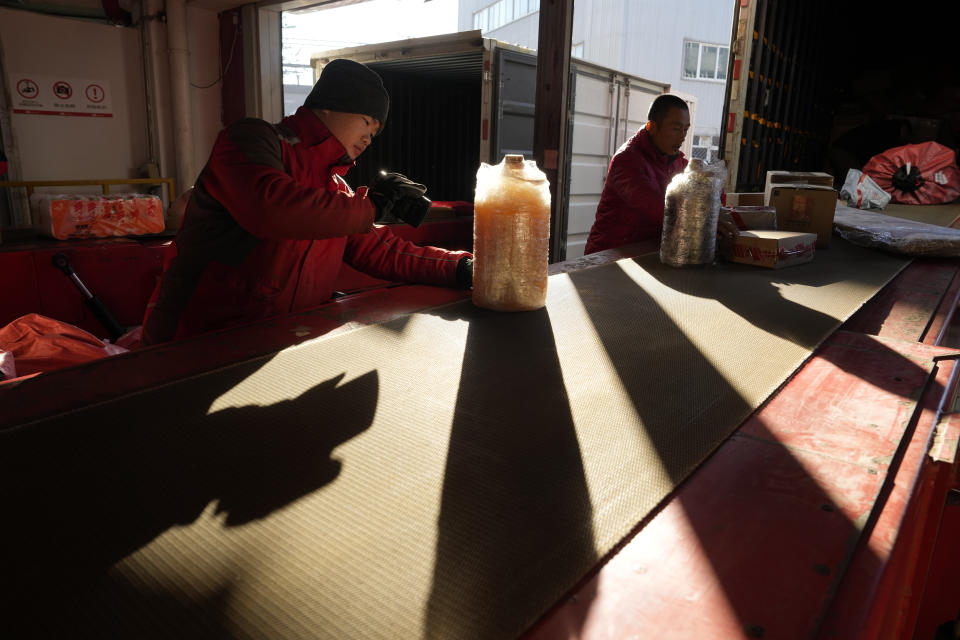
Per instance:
x=354, y=131
x=668, y=134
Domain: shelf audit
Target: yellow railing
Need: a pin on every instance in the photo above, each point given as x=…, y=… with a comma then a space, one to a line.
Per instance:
x=104, y=185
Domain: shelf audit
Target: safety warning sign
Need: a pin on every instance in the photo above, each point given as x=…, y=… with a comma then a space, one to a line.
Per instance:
x=56, y=96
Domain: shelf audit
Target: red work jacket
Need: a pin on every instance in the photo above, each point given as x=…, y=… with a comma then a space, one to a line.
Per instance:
x=266, y=229
x=631, y=205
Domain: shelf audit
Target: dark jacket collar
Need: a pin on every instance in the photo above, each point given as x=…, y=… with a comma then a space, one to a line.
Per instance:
x=312, y=132
x=649, y=149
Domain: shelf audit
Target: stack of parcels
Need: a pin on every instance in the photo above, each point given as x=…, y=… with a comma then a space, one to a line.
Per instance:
x=759, y=242
x=804, y=200
x=86, y=216
x=783, y=225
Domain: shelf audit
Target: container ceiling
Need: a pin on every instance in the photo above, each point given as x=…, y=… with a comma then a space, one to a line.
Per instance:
x=461, y=65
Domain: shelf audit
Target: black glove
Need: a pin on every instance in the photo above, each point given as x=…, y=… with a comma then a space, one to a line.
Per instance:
x=412, y=209
x=465, y=273
x=394, y=194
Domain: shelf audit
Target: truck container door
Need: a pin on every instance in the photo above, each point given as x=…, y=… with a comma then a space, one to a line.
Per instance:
x=515, y=96
x=593, y=98
x=607, y=109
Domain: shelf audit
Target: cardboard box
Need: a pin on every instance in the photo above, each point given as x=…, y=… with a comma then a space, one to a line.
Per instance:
x=806, y=207
x=772, y=249
x=745, y=199
x=785, y=178
x=748, y=218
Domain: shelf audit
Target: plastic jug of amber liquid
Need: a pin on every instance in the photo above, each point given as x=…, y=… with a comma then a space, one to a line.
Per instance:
x=511, y=235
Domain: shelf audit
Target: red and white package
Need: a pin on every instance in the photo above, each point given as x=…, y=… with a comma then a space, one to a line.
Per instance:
x=85, y=216
x=860, y=191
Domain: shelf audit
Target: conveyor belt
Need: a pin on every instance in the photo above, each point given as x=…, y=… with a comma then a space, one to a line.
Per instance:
x=447, y=474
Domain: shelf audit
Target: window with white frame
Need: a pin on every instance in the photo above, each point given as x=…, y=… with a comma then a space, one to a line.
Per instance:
x=502, y=12
x=702, y=61
x=707, y=148
x=576, y=51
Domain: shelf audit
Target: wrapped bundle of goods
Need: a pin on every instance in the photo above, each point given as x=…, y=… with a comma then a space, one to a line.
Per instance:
x=511, y=235
x=925, y=173
x=691, y=212
x=896, y=235
x=88, y=216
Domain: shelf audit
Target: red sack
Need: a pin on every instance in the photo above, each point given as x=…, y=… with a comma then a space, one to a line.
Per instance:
x=37, y=343
x=925, y=173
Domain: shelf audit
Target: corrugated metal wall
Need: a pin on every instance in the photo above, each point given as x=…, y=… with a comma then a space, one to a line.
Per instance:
x=787, y=113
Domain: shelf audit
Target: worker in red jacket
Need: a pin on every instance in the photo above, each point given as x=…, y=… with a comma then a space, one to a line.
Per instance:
x=632, y=201
x=271, y=218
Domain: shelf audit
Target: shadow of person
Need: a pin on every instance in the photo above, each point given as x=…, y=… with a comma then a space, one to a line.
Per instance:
x=515, y=522
x=86, y=489
x=280, y=453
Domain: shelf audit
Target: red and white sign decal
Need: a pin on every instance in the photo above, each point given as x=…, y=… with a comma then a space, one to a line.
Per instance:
x=58, y=96
x=95, y=93
x=62, y=90
x=28, y=89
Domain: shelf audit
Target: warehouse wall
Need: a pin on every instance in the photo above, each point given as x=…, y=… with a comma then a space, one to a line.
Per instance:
x=54, y=147
x=60, y=147
x=203, y=38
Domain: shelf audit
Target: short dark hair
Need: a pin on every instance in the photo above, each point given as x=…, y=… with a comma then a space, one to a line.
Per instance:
x=662, y=105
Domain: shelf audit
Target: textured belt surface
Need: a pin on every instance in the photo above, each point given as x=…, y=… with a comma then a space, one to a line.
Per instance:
x=449, y=474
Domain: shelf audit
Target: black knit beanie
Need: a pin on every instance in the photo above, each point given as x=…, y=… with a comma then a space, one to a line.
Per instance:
x=350, y=87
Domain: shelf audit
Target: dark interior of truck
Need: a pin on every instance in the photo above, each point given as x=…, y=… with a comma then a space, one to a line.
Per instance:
x=434, y=119
x=894, y=82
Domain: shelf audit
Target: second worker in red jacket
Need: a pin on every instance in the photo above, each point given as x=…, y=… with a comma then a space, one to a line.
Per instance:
x=632, y=202
x=271, y=218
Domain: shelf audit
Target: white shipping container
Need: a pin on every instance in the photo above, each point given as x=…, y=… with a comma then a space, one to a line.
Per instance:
x=458, y=100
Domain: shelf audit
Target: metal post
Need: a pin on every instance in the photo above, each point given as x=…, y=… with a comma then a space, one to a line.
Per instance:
x=550, y=112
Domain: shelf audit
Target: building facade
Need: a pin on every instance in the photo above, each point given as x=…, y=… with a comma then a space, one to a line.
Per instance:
x=683, y=42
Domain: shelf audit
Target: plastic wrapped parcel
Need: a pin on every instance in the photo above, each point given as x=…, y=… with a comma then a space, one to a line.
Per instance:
x=691, y=210
x=896, y=235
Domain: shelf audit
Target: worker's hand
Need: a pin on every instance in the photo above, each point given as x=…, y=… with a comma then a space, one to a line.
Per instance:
x=394, y=194
x=411, y=209
x=726, y=227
